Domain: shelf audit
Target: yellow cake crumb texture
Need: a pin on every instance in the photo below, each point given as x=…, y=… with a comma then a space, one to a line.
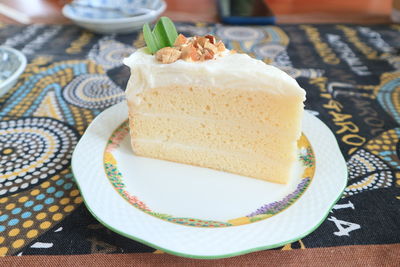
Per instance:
x=202, y=113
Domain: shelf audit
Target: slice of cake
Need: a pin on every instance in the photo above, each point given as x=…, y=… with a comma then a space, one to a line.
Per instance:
x=201, y=104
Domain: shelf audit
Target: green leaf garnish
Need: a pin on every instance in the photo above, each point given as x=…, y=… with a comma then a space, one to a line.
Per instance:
x=165, y=32
x=163, y=35
x=149, y=38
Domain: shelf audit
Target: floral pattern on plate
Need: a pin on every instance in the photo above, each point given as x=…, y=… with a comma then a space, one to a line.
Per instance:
x=306, y=157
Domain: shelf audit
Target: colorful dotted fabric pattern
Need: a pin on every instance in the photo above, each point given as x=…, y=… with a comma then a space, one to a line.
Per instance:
x=30, y=213
x=372, y=166
x=41, y=120
x=350, y=73
x=32, y=150
x=388, y=94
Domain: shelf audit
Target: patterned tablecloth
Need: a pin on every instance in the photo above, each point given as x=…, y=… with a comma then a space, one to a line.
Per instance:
x=351, y=74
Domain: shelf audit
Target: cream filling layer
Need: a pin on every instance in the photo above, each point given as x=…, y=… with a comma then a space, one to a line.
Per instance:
x=214, y=151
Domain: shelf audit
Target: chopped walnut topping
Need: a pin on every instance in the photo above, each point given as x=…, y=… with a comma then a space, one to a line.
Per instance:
x=209, y=46
x=200, y=41
x=211, y=38
x=189, y=52
x=198, y=48
x=220, y=46
x=180, y=40
x=208, y=54
x=168, y=55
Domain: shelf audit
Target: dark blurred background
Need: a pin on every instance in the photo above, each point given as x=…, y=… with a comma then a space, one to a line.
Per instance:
x=286, y=11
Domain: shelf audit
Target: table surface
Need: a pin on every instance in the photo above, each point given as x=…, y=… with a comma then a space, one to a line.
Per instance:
x=350, y=72
x=287, y=11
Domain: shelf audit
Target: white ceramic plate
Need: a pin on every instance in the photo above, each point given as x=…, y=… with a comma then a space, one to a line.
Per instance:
x=198, y=212
x=111, y=25
x=12, y=64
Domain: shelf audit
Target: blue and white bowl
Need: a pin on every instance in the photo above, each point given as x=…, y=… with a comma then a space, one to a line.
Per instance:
x=122, y=16
x=12, y=64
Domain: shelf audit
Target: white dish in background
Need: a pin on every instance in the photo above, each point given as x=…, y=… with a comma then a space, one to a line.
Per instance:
x=106, y=20
x=190, y=211
x=12, y=64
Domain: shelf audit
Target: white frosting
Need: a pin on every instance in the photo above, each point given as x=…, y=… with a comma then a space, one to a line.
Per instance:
x=227, y=71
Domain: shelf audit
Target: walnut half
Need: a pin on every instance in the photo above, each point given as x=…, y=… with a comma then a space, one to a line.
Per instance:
x=168, y=55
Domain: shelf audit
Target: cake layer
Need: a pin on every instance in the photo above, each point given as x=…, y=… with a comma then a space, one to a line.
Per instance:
x=254, y=107
x=226, y=136
x=242, y=164
x=233, y=113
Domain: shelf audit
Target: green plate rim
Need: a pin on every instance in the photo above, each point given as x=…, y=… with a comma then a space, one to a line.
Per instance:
x=216, y=256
